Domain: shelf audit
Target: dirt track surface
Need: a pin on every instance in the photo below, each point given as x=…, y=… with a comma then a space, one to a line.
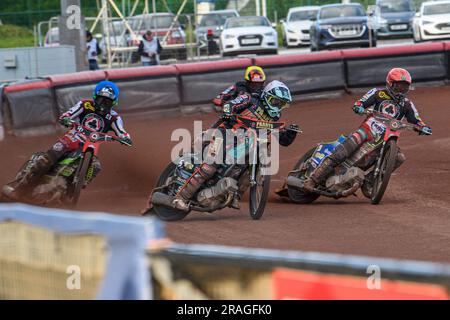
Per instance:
x=412, y=222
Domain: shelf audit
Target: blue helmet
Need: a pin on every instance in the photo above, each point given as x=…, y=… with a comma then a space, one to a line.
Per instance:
x=106, y=95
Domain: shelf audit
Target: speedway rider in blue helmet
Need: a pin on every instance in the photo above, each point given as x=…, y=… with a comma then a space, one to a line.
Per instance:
x=96, y=114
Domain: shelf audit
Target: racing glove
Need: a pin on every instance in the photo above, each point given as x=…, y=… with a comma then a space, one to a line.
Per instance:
x=425, y=131
x=293, y=127
x=66, y=121
x=227, y=114
x=358, y=109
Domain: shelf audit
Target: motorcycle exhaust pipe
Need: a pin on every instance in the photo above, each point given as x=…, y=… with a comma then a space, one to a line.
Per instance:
x=295, y=183
x=162, y=199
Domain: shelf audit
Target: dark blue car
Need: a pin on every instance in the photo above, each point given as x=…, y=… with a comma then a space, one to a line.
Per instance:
x=341, y=25
x=394, y=17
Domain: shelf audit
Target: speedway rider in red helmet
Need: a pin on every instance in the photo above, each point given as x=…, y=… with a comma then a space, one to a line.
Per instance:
x=96, y=114
x=391, y=101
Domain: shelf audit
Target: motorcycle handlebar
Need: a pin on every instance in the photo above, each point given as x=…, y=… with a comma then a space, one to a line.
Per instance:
x=394, y=123
x=235, y=117
x=106, y=137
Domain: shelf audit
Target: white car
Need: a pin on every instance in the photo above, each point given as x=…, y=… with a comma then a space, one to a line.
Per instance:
x=432, y=21
x=249, y=34
x=52, y=38
x=297, y=25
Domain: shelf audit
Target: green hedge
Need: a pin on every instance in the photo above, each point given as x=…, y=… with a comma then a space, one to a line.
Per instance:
x=15, y=36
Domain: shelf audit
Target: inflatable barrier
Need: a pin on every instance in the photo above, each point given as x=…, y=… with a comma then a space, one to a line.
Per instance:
x=161, y=91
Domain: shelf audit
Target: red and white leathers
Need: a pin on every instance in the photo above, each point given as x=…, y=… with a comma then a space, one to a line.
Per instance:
x=382, y=101
x=244, y=105
x=84, y=113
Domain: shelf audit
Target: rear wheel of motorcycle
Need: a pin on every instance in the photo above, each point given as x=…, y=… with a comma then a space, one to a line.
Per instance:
x=164, y=213
x=386, y=169
x=84, y=167
x=258, y=195
x=298, y=196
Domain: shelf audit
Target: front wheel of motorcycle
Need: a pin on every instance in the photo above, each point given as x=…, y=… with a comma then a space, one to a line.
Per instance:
x=81, y=174
x=165, y=213
x=259, y=194
x=386, y=168
x=298, y=196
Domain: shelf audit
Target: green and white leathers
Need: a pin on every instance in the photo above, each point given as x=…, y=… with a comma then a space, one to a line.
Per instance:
x=276, y=96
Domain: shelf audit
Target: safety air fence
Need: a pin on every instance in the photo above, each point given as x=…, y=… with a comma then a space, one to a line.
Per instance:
x=59, y=254
x=33, y=107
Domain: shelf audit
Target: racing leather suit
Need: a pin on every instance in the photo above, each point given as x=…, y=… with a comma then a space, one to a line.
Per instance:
x=381, y=101
x=232, y=92
x=244, y=105
x=84, y=113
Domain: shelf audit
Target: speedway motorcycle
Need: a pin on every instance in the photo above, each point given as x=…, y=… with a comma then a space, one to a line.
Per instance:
x=219, y=191
x=62, y=185
x=369, y=168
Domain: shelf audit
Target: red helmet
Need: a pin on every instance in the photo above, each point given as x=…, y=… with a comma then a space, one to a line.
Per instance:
x=398, y=82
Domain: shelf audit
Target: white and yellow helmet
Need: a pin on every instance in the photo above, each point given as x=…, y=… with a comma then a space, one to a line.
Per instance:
x=276, y=96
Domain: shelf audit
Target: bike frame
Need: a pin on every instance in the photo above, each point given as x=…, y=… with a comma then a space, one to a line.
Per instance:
x=92, y=141
x=252, y=127
x=393, y=129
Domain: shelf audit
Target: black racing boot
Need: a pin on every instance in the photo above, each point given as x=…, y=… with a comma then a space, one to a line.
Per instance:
x=235, y=204
x=14, y=190
x=319, y=174
x=342, y=151
x=198, y=178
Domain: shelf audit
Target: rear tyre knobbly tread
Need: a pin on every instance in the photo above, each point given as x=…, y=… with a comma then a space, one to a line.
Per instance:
x=298, y=196
x=164, y=213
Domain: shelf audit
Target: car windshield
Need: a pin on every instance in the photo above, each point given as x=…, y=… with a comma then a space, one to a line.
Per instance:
x=160, y=22
x=215, y=19
x=117, y=27
x=53, y=36
x=156, y=22
x=341, y=12
x=247, y=22
x=302, y=15
x=392, y=6
x=442, y=8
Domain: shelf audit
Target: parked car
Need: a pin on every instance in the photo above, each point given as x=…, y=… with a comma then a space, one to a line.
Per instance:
x=297, y=25
x=432, y=21
x=159, y=24
x=394, y=17
x=250, y=34
x=52, y=38
x=341, y=25
x=115, y=38
x=213, y=22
